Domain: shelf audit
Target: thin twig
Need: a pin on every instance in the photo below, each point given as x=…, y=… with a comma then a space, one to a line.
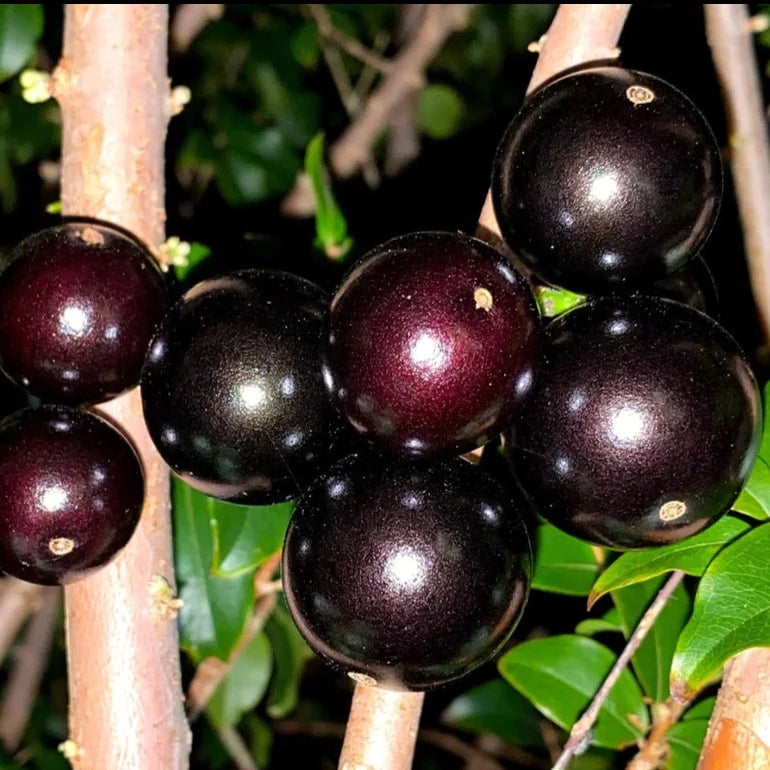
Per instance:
x=654, y=749
x=29, y=665
x=212, y=671
x=234, y=745
x=730, y=36
x=350, y=45
x=581, y=730
x=189, y=21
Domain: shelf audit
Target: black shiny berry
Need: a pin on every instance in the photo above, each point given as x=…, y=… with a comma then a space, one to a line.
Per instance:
x=78, y=305
x=693, y=285
x=606, y=179
x=406, y=575
x=232, y=388
x=71, y=493
x=643, y=424
x=432, y=344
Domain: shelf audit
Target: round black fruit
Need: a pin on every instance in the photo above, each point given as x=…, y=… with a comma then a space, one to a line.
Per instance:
x=232, y=388
x=71, y=493
x=406, y=575
x=432, y=344
x=606, y=179
x=643, y=424
x=78, y=305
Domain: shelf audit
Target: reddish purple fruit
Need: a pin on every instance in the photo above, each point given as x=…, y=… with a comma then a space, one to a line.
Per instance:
x=432, y=344
x=643, y=424
x=606, y=179
x=408, y=575
x=71, y=492
x=78, y=305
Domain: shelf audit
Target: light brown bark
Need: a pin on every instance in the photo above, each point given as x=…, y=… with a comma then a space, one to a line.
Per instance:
x=126, y=707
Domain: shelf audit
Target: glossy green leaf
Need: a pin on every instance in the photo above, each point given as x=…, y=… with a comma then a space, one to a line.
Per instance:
x=731, y=612
x=691, y=556
x=685, y=741
x=215, y=609
x=440, y=112
x=244, y=536
x=198, y=253
x=553, y=302
x=652, y=661
x=561, y=674
x=244, y=686
x=495, y=707
x=20, y=29
x=330, y=224
x=609, y=622
x=563, y=564
x=754, y=499
x=702, y=709
x=291, y=655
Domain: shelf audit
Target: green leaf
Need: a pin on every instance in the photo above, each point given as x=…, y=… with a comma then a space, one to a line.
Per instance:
x=702, y=709
x=244, y=686
x=440, y=112
x=20, y=29
x=495, y=707
x=330, y=224
x=685, y=741
x=553, y=302
x=198, y=252
x=561, y=674
x=563, y=564
x=731, y=612
x=609, y=622
x=243, y=536
x=754, y=499
x=291, y=654
x=652, y=661
x=691, y=556
x=215, y=609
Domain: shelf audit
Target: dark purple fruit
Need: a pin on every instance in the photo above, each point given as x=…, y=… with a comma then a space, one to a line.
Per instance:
x=78, y=305
x=693, y=285
x=642, y=426
x=406, y=575
x=606, y=179
x=232, y=387
x=432, y=343
x=71, y=492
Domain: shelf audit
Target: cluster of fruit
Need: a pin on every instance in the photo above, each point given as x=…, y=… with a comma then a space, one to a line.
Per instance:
x=631, y=420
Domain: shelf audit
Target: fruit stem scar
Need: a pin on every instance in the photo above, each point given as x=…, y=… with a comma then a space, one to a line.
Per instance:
x=61, y=546
x=640, y=94
x=483, y=298
x=362, y=678
x=672, y=510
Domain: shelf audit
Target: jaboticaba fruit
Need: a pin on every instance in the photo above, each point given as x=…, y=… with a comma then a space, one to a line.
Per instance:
x=232, y=387
x=71, y=492
x=78, y=305
x=406, y=575
x=432, y=344
x=642, y=426
x=606, y=178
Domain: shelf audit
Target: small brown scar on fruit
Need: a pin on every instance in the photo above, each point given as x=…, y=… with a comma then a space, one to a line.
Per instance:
x=640, y=94
x=672, y=510
x=483, y=299
x=69, y=749
x=91, y=236
x=362, y=678
x=166, y=603
x=61, y=546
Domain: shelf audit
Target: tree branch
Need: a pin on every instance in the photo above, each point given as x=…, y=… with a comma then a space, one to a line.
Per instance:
x=654, y=749
x=126, y=706
x=580, y=734
x=578, y=33
x=29, y=665
x=730, y=36
x=189, y=21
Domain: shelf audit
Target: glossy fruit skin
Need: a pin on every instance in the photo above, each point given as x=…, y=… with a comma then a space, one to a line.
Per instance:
x=65, y=475
x=415, y=360
x=693, y=285
x=411, y=574
x=232, y=388
x=643, y=425
x=598, y=190
x=78, y=306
